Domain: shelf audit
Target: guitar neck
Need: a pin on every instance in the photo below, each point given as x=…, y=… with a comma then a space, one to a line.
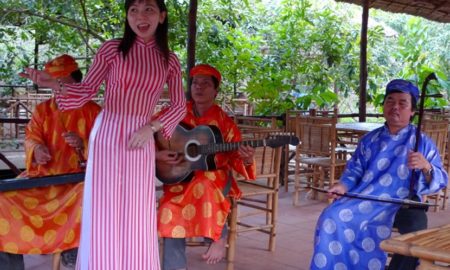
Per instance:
x=227, y=147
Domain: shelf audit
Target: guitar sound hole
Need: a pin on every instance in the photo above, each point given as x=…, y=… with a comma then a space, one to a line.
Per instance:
x=192, y=150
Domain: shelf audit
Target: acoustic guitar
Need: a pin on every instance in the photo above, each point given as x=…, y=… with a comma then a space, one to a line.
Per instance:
x=198, y=147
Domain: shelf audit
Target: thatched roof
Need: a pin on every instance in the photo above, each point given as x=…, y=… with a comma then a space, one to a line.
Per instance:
x=436, y=10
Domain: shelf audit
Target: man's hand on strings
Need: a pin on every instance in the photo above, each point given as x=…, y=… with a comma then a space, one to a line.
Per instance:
x=336, y=188
x=169, y=157
x=73, y=140
x=41, y=154
x=246, y=153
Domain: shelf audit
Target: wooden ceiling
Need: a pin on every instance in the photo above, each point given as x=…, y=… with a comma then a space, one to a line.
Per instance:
x=435, y=10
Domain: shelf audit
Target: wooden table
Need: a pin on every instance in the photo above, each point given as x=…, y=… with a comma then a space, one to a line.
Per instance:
x=350, y=133
x=358, y=127
x=430, y=246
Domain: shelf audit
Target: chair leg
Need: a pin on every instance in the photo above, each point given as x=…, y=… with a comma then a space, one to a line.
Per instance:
x=232, y=235
x=444, y=198
x=296, y=184
x=56, y=259
x=273, y=216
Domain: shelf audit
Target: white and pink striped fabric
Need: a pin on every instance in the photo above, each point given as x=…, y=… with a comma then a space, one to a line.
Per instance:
x=119, y=214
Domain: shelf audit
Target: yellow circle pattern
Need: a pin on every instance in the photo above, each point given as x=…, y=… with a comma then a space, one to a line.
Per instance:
x=72, y=199
x=10, y=247
x=4, y=226
x=188, y=212
x=218, y=196
x=221, y=218
x=210, y=175
x=179, y=232
x=50, y=236
x=15, y=212
x=166, y=216
x=60, y=219
x=37, y=221
x=207, y=209
x=177, y=199
x=176, y=189
x=30, y=203
x=69, y=237
x=52, y=205
x=199, y=190
x=52, y=193
x=27, y=233
x=35, y=251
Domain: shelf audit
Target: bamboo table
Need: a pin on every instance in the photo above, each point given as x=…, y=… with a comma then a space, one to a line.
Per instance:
x=431, y=246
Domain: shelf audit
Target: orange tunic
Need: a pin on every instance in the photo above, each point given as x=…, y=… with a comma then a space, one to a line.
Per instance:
x=47, y=220
x=199, y=208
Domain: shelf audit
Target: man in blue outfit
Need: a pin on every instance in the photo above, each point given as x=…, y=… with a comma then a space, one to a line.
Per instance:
x=349, y=231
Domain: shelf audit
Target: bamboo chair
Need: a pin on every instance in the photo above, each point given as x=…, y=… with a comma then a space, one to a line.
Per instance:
x=291, y=123
x=248, y=123
x=317, y=163
x=437, y=130
x=256, y=210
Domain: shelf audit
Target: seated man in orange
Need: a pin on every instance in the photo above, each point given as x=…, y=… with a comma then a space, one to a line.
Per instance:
x=199, y=208
x=55, y=143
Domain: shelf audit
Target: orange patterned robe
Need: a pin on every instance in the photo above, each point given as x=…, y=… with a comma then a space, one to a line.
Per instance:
x=47, y=220
x=199, y=208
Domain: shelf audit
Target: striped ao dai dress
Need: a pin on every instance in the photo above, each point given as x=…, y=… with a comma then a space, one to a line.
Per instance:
x=349, y=231
x=119, y=214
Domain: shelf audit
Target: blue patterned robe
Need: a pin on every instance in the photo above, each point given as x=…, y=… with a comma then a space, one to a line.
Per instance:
x=349, y=231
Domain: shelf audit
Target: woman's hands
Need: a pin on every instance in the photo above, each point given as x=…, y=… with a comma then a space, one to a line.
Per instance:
x=142, y=136
x=43, y=79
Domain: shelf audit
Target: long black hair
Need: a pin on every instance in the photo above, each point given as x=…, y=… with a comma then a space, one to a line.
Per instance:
x=161, y=34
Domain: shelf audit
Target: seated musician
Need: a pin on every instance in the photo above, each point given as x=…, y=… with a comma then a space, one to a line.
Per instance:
x=349, y=230
x=55, y=143
x=199, y=207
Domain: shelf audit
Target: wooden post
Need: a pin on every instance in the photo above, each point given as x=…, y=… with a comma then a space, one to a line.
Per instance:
x=363, y=63
x=192, y=34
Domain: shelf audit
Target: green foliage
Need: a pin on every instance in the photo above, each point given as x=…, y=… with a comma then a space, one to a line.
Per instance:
x=281, y=54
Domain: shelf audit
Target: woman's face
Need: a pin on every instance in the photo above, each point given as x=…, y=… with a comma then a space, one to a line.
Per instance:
x=144, y=17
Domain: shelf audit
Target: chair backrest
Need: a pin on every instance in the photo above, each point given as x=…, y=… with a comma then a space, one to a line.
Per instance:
x=255, y=121
x=267, y=162
x=317, y=135
x=437, y=130
x=292, y=119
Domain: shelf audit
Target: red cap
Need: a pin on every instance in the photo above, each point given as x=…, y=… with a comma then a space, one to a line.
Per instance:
x=205, y=69
x=61, y=66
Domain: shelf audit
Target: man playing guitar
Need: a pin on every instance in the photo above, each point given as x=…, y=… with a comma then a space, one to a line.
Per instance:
x=199, y=207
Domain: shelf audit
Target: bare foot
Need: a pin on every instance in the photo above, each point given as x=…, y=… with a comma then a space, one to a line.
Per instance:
x=215, y=252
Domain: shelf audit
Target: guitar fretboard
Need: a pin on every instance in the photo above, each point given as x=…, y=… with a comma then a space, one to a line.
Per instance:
x=208, y=149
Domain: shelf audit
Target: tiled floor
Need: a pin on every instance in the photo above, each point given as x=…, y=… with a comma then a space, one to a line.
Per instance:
x=293, y=244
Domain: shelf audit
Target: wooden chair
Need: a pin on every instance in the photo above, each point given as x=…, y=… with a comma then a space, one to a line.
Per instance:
x=437, y=130
x=289, y=151
x=248, y=123
x=256, y=210
x=316, y=161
